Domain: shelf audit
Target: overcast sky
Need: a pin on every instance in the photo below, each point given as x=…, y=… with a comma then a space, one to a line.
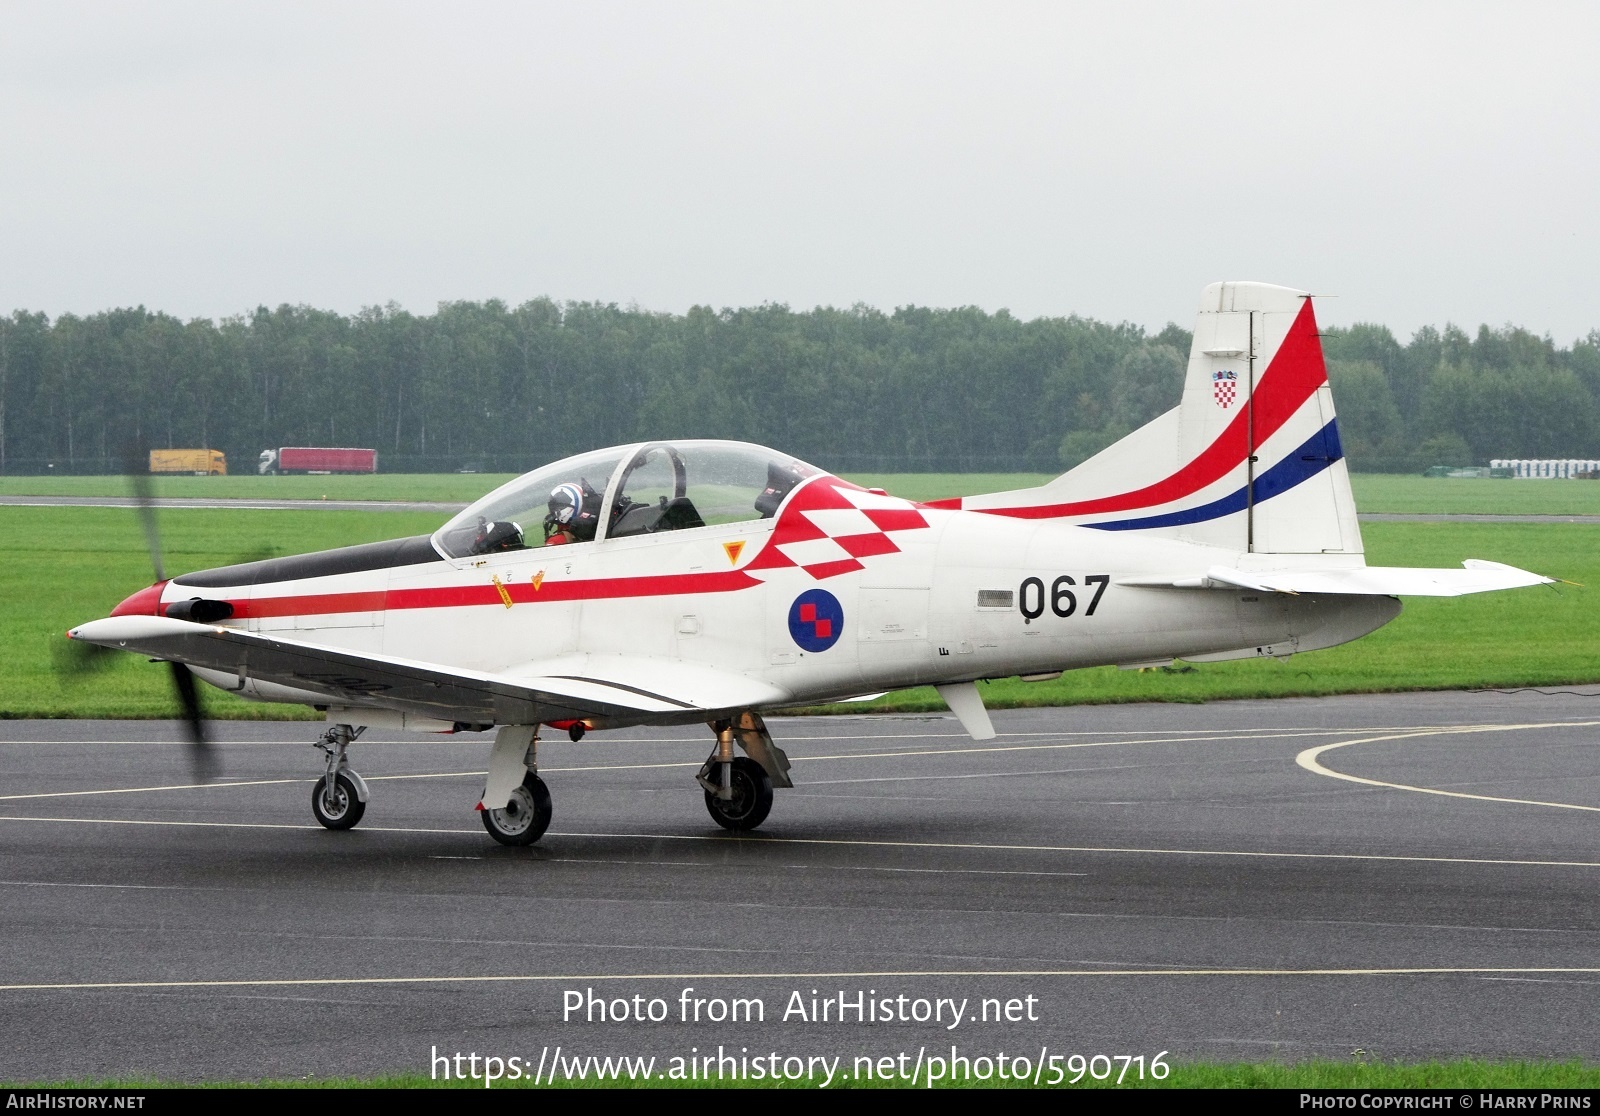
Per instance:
x=1424, y=162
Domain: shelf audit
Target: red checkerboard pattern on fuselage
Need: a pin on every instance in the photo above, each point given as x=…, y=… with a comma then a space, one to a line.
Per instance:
x=829, y=525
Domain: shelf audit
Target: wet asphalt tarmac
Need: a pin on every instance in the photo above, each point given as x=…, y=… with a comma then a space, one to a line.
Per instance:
x=1187, y=879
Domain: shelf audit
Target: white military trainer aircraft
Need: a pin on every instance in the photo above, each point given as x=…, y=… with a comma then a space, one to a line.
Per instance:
x=707, y=581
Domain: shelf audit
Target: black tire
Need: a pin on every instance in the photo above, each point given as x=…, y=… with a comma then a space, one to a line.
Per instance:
x=346, y=808
x=525, y=817
x=752, y=796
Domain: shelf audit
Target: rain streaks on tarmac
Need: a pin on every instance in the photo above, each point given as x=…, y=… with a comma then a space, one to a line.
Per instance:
x=1407, y=875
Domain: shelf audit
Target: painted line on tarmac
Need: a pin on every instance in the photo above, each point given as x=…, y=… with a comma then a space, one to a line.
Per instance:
x=241, y=783
x=697, y=763
x=904, y=974
x=1223, y=733
x=1095, y=770
x=114, y=887
x=1309, y=759
x=591, y=741
x=196, y=824
x=762, y=840
x=1264, y=736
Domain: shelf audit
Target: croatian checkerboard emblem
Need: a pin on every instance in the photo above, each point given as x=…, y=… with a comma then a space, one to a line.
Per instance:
x=816, y=620
x=1224, y=387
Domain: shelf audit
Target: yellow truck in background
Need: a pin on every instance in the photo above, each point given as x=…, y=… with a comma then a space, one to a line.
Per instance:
x=200, y=462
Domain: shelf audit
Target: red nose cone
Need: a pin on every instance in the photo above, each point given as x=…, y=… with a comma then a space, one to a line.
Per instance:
x=146, y=602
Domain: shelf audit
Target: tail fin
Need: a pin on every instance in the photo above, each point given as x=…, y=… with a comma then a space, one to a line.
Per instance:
x=1250, y=460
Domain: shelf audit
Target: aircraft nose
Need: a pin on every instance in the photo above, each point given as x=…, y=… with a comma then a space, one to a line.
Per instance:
x=146, y=602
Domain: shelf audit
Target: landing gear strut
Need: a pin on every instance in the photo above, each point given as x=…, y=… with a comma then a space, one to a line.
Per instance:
x=514, y=780
x=739, y=789
x=340, y=796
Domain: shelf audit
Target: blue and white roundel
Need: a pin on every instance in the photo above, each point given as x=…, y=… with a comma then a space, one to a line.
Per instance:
x=816, y=620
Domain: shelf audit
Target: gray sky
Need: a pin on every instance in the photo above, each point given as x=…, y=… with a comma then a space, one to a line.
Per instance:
x=1424, y=162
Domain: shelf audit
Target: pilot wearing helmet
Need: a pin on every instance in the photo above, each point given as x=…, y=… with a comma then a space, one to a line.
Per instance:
x=574, y=513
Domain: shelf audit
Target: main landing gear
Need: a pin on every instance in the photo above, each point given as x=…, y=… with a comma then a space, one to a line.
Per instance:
x=739, y=789
x=514, y=782
x=340, y=796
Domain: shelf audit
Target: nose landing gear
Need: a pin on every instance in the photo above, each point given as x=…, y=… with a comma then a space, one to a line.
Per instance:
x=340, y=796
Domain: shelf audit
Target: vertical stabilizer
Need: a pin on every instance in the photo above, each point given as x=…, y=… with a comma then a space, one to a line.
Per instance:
x=1249, y=460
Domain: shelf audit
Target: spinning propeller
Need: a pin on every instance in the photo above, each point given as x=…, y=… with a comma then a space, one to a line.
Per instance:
x=202, y=759
x=77, y=659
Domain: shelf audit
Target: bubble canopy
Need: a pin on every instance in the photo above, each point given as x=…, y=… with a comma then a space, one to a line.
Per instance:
x=624, y=491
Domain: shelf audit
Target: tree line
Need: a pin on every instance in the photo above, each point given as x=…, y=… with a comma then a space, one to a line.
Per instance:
x=499, y=388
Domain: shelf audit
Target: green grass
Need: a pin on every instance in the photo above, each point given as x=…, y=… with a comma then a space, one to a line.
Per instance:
x=1526, y=637
x=939, y=486
x=1380, y=492
x=462, y=488
x=63, y=566
x=1463, y=1073
x=458, y=488
x=1374, y=492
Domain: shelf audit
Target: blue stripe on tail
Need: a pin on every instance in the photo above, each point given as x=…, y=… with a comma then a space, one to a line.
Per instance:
x=1315, y=454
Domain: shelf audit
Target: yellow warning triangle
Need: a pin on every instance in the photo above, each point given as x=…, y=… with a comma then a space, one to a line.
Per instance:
x=538, y=580
x=734, y=549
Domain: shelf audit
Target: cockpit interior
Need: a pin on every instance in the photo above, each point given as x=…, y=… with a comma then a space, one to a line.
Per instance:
x=626, y=492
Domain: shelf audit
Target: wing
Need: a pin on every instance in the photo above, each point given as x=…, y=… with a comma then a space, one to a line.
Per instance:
x=1475, y=576
x=613, y=689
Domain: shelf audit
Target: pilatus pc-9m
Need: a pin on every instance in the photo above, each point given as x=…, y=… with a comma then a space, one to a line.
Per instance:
x=709, y=581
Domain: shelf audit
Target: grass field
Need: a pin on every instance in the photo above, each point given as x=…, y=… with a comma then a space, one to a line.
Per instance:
x=62, y=566
x=1463, y=1073
x=457, y=487
x=1378, y=492
x=1527, y=637
x=1374, y=492
x=448, y=486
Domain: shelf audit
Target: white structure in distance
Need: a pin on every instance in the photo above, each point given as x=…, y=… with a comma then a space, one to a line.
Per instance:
x=1547, y=468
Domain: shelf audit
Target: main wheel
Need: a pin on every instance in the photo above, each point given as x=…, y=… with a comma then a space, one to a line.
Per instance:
x=525, y=817
x=752, y=796
x=341, y=809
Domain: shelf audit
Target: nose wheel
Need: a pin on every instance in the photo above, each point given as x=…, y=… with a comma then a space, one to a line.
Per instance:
x=340, y=796
x=337, y=805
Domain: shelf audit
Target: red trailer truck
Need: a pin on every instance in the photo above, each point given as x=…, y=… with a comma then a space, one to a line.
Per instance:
x=318, y=459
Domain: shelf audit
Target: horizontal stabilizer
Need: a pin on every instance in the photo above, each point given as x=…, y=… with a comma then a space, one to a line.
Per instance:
x=1363, y=581
x=615, y=689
